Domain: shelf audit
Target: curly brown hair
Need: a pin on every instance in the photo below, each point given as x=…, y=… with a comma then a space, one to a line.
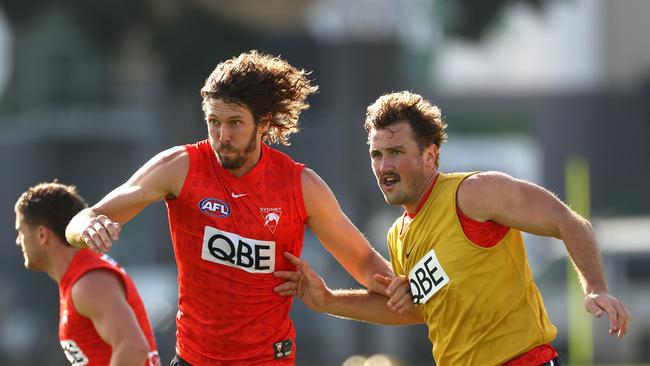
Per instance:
x=265, y=85
x=424, y=118
x=50, y=204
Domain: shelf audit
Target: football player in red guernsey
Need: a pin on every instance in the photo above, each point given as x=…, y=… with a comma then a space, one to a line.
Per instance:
x=102, y=319
x=234, y=206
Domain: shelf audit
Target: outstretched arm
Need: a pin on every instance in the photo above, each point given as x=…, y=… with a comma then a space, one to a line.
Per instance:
x=359, y=304
x=339, y=236
x=162, y=177
x=100, y=296
x=530, y=208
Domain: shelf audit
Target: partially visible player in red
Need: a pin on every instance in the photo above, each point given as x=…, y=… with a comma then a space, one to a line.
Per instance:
x=235, y=205
x=102, y=318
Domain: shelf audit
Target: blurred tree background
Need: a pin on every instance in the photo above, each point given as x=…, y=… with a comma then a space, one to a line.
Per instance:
x=91, y=90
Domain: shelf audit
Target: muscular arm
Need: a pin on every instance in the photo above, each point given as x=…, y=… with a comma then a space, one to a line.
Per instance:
x=339, y=236
x=161, y=177
x=357, y=304
x=100, y=296
x=530, y=208
x=368, y=306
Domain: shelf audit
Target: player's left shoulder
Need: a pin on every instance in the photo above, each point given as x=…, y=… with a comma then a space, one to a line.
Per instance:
x=482, y=183
x=311, y=180
x=488, y=177
x=318, y=197
x=480, y=194
x=96, y=289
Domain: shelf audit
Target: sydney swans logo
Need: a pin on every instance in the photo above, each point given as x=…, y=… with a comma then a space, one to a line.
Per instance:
x=271, y=217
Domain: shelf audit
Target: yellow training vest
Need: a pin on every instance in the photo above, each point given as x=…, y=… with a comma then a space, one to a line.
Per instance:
x=481, y=305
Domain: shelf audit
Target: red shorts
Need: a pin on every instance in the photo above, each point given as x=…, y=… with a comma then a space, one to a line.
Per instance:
x=536, y=356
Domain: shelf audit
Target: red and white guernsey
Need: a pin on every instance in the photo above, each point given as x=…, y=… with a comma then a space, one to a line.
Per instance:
x=229, y=234
x=80, y=341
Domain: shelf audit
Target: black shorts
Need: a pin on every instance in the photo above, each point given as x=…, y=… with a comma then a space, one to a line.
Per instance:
x=178, y=361
x=554, y=362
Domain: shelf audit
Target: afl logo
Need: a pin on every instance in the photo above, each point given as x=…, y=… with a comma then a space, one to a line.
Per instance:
x=214, y=207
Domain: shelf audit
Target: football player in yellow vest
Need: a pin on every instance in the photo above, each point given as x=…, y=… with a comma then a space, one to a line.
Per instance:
x=459, y=248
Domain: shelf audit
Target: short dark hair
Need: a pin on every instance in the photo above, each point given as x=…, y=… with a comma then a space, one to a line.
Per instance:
x=424, y=118
x=265, y=85
x=50, y=204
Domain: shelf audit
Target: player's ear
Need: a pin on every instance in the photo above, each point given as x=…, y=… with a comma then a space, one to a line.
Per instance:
x=265, y=123
x=43, y=234
x=431, y=153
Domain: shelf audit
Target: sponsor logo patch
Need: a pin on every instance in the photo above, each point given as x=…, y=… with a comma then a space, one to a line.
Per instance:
x=282, y=348
x=426, y=278
x=271, y=217
x=214, y=207
x=232, y=250
x=153, y=358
